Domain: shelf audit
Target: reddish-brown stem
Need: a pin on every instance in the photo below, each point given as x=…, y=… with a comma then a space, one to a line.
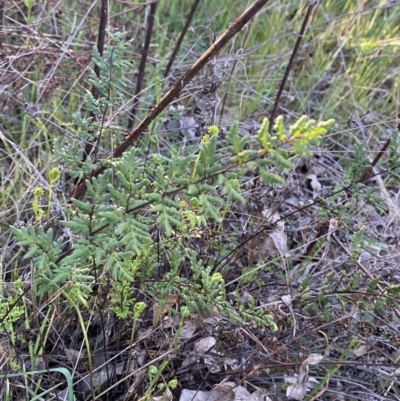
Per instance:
x=142, y=64
x=181, y=36
x=233, y=29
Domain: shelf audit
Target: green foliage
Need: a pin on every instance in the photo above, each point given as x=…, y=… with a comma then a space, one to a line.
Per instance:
x=37, y=210
x=121, y=297
x=356, y=244
x=54, y=175
x=145, y=202
x=373, y=284
x=359, y=165
x=65, y=372
x=10, y=312
x=49, y=275
x=146, y=233
x=109, y=85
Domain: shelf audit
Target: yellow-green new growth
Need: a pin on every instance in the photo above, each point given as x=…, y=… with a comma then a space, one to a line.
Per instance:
x=213, y=130
x=37, y=210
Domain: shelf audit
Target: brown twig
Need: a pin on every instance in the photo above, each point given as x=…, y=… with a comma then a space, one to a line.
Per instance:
x=181, y=37
x=290, y=64
x=2, y=9
x=269, y=225
x=142, y=65
x=367, y=173
x=233, y=29
x=100, y=47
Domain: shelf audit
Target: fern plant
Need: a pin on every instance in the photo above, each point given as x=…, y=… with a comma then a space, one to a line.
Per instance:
x=141, y=219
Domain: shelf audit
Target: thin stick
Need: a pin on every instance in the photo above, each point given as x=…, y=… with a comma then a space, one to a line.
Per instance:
x=142, y=65
x=289, y=66
x=100, y=47
x=181, y=36
x=234, y=28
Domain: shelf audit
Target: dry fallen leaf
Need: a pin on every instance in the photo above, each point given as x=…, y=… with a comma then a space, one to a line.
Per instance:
x=227, y=391
x=168, y=396
x=297, y=390
x=188, y=329
x=315, y=185
x=362, y=350
x=204, y=345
